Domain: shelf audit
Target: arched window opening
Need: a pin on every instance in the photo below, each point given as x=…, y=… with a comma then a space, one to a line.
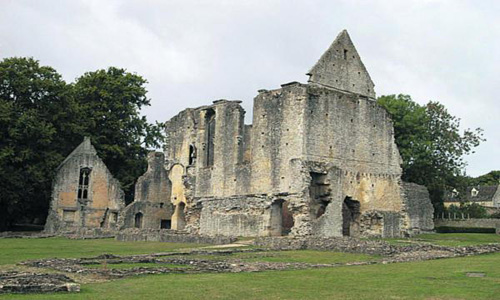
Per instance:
x=210, y=135
x=83, y=183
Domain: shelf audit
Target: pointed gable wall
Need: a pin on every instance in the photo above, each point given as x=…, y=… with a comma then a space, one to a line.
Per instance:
x=71, y=209
x=340, y=67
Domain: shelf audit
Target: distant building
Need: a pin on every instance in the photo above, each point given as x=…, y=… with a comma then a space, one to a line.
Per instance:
x=487, y=196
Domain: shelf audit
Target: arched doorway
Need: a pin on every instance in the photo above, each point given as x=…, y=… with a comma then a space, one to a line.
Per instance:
x=350, y=217
x=138, y=220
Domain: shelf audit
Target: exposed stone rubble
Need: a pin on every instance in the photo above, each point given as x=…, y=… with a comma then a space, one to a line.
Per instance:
x=23, y=282
x=417, y=251
x=190, y=261
x=171, y=236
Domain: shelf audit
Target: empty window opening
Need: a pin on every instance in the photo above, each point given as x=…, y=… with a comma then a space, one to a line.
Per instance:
x=210, y=135
x=165, y=224
x=83, y=183
x=319, y=191
x=138, y=220
x=192, y=154
x=114, y=217
x=345, y=53
x=350, y=217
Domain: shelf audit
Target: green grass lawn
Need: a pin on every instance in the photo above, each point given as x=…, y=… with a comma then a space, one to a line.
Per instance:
x=436, y=279
x=15, y=250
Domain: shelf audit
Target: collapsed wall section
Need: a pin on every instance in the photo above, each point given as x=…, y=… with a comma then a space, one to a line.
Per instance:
x=418, y=208
x=152, y=207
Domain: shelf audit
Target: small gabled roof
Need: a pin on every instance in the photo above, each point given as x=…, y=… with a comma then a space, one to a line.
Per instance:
x=340, y=67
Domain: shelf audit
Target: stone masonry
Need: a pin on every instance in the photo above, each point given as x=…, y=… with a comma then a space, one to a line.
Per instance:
x=319, y=159
x=84, y=194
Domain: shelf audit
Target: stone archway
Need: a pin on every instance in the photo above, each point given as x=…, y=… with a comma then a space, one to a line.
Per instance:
x=350, y=217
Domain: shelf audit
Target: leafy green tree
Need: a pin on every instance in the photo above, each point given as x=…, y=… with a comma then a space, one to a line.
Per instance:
x=36, y=124
x=467, y=209
x=110, y=102
x=491, y=178
x=430, y=143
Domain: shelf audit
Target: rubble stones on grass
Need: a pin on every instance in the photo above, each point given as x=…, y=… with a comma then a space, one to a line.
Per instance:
x=24, y=282
x=173, y=262
x=373, y=247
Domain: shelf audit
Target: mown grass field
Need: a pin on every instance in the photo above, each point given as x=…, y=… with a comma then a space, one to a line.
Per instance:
x=437, y=279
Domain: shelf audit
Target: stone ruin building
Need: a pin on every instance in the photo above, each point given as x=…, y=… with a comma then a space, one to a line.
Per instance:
x=84, y=193
x=319, y=159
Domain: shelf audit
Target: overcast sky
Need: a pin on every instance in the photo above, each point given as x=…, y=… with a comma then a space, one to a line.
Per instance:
x=194, y=52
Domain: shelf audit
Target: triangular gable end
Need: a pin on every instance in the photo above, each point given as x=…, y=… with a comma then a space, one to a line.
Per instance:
x=85, y=147
x=340, y=67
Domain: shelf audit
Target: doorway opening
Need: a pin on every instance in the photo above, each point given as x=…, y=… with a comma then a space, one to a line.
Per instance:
x=138, y=220
x=350, y=217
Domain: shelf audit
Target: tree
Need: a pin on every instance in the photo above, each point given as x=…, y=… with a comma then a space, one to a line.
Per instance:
x=35, y=114
x=491, y=178
x=110, y=102
x=430, y=143
x=42, y=119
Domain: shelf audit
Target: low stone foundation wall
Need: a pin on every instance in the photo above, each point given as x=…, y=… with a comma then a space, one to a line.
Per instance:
x=377, y=247
x=21, y=283
x=170, y=236
x=335, y=244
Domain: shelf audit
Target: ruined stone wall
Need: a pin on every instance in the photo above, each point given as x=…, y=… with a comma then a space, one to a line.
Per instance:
x=101, y=207
x=236, y=216
x=356, y=135
x=277, y=139
x=152, y=200
x=229, y=172
x=418, y=208
x=324, y=150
